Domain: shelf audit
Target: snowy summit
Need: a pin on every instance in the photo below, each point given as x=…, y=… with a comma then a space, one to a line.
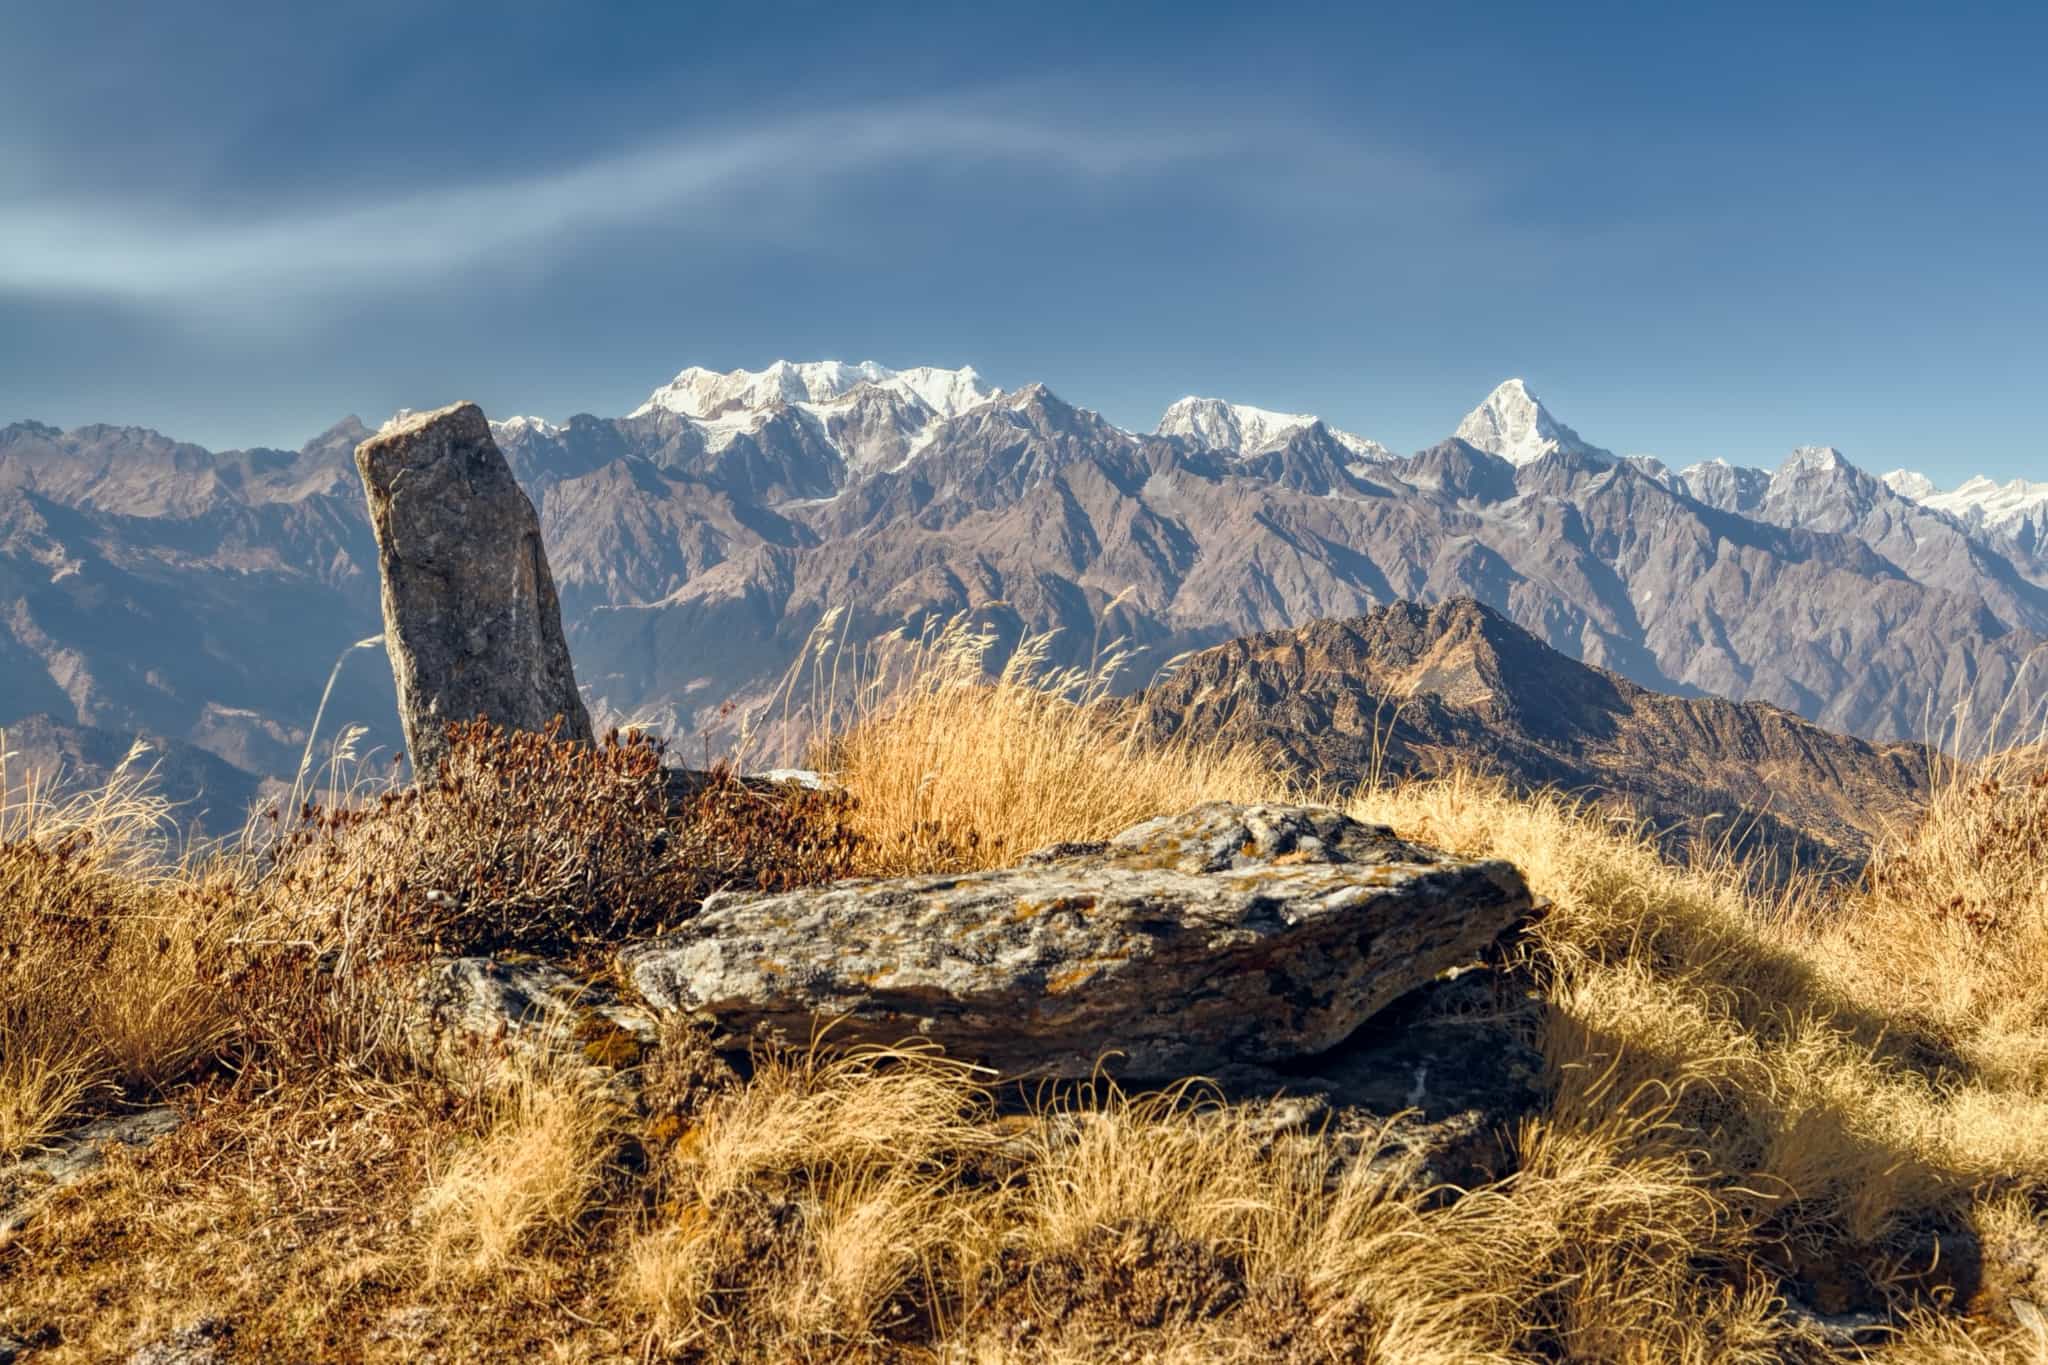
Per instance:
x=1986, y=502
x=1240, y=429
x=1513, y=424
x=702, y=393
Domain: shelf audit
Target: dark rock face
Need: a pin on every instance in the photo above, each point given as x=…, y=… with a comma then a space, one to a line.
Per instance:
x=471, y=620
x=1223, y=937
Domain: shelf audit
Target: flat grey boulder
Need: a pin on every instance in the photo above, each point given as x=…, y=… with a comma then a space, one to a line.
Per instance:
x=471, y=619
x=1224, y=936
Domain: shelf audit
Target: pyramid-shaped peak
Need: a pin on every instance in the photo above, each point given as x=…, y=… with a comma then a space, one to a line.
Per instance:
x=1513, y=424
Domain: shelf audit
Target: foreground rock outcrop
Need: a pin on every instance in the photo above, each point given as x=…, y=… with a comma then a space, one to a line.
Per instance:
x=471, y=619
x=1223, y=937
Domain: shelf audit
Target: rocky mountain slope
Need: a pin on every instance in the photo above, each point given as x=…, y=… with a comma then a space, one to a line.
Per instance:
x=147, y=585
x=1413, y=691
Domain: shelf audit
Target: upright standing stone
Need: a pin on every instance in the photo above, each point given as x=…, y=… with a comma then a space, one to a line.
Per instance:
x=471, y=620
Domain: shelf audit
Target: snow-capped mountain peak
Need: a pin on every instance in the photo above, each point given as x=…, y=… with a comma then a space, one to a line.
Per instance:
x=2011, y=507
x=519, y=426
x=701, y=393
x=1813, y=459
x=1816, y=476
x=1732, y=488
x=947, y=392
x=1513, y=424
x=1241, y=429
x=1908, y=483
x=872, y=416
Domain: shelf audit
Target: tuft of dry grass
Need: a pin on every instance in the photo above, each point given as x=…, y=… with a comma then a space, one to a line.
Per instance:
x=112, y=954
x=525, y=1187
x=1957, y=912
x=953, y=768
x=815, y=1207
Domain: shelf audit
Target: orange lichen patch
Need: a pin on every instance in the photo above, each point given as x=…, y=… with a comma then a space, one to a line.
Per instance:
x=1065, y=981
x=606, y=1044
x=662, y=1131
x=1029, y=909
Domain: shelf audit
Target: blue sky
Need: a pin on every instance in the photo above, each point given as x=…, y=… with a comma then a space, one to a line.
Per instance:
x=1696, y=231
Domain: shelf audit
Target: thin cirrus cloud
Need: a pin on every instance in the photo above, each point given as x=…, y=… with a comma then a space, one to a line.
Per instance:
x=180, y=255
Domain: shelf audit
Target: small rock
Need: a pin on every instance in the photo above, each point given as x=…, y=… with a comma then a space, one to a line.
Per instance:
x=1226, y=936
x=416, y=1325
x=203, y=1343
x=1286, y=1114
x=1841, y=1331
x=70, y=1157
x=798, y=777
x=472, y=1007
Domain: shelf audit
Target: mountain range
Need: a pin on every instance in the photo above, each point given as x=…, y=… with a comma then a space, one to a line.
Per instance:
x=150, y=586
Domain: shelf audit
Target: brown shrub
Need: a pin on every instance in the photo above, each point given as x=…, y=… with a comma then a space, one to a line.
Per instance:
x=1975, y=858
x=524, y=841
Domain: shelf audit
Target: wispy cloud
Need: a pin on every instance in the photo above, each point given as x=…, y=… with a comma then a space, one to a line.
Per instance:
x=175, y=252
x=184, y=254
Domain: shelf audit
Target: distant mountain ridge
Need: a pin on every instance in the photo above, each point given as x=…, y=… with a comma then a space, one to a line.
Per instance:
x=152, y=586
x=1411, y=691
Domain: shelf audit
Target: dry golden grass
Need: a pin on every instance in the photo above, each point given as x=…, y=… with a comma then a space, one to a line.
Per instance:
x=1846, y=1093
x=798, y=1212
x=1849, y=1130
x=528, y=1182
x=1958, y=913
x=111, y=954
x=953, y=768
